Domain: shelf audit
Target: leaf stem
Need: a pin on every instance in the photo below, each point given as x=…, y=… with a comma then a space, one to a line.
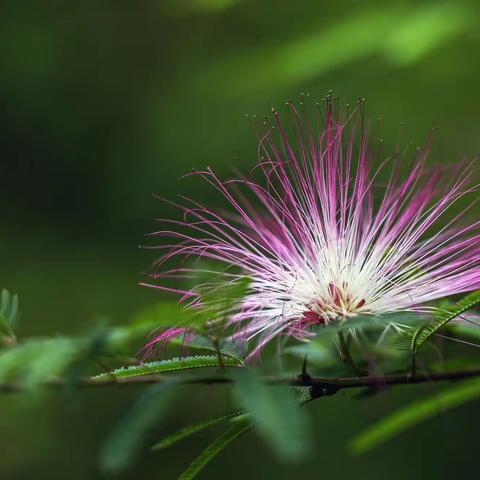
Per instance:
x=346, y=355
x=216, y=345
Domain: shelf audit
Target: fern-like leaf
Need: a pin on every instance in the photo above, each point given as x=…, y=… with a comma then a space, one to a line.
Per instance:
x=36, y=361
x=125, y=441
x=215, y=448
x=279, y=420
x=8, y=316
x=443, y=317
x=173, y=364
x=414, y=413
x=192, y=429
x=198, y=342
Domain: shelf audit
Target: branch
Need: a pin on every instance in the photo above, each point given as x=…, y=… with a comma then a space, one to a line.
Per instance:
x=320, y=385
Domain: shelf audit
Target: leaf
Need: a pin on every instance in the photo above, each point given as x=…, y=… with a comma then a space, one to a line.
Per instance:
x=415, y=336
x=227, y=347
x=317, y=351
x=460, y=330
x=8, y=315
x=368, y=322
x=192, y=429
x=125, y=441
x=443, y=316
x=51, y=361
x=173, y=364
x=414, y=413
x=215, y=448
x=277, y=414
x=321, y=348
x=39, y=360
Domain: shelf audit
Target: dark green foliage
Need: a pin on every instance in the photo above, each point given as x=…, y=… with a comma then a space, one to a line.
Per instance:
x=124, y=338
x=218, y=297
x=414, y=413
x=468, y=331
x=215, y=448
x=442, y=317
x=362, y=335
x=192, y=429
x=34, y=362
x=276, y=413
x=125, y=440
x=8, y=317
x=226, y=347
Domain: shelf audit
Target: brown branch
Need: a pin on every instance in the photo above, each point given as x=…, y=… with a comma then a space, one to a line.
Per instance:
x=320, y=385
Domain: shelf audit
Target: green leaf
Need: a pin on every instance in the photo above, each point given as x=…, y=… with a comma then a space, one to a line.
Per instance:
x=415, y=337
x=8, y=315
x=321, y=349
x=173, y=364
x=414, y=413
x=227, y=347
x=39, y=360
x=214, y=448
x=192, y=429
x=125, y=441
x=277, y=414
x=52, y=361
x=471, y=332
x=443, y=317
x=367, y=322
x=318, y=352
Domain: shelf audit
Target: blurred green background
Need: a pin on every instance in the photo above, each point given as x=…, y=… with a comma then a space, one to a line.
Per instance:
x=104, y=103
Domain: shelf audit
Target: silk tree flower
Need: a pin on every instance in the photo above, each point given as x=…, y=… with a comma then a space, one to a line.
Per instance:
x=331, y=231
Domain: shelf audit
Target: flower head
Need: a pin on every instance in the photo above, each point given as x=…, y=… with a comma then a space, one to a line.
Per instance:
x=332, y=229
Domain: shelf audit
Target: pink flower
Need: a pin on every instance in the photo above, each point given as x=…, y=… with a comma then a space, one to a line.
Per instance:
x=321, y=239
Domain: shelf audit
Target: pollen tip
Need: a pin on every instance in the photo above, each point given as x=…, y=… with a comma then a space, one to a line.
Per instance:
x=361, y=303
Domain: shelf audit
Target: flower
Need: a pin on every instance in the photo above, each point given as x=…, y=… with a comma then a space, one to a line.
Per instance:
x=162, y=338
x=321, y=238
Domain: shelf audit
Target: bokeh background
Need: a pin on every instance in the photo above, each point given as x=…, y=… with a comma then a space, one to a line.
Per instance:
x=103, y=103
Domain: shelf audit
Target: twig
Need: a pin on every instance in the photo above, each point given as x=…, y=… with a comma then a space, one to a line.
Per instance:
x=328, y=384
